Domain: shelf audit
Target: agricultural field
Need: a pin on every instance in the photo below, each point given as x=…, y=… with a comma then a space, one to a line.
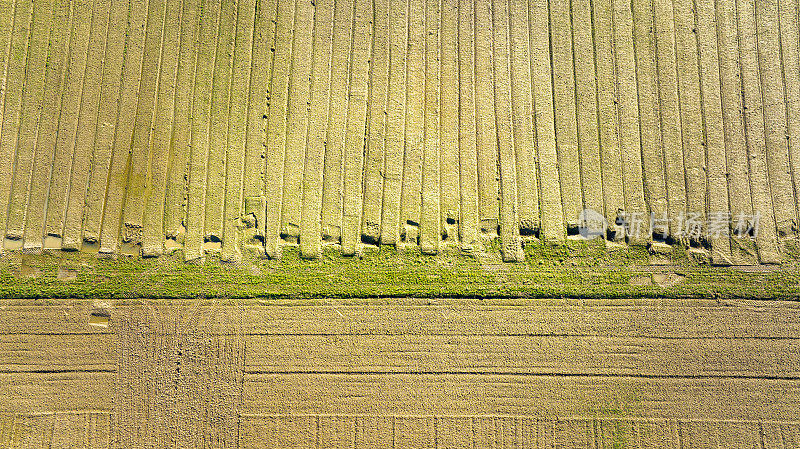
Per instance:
x=214, y=128
x=399, y=223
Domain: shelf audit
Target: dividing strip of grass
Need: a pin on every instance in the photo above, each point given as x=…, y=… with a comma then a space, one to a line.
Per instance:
x=576, y=270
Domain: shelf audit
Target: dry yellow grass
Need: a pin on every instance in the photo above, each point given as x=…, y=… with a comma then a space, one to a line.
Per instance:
x=139, y=128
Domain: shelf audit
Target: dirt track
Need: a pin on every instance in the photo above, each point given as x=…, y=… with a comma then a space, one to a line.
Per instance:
x=140, y=127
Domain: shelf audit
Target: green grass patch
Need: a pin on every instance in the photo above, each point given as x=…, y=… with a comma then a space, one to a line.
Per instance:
x=574, y=270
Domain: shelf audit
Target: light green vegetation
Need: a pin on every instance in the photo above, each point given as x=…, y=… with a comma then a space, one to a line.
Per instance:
x=575, y=269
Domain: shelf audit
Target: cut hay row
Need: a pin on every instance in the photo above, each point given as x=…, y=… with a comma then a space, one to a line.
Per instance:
x=586, y=98
x=131, y=96
x=276, y=126
x=160, y=145
x=218, y=134
x=201, y=109
x=449, y=190
x=105, y=125
x=297, y=117
x=752, y=104
x=241, y=127
x=629, y=126
x=467, y=152
x=430, y=229
x=36, y=70
x=393, y=172
x=414, y=124
x=72, y=95
x=85, y=137
x=509, y=219
x=375, y=150
x=354, y=141
x=485, y=123
x=180, y=147
x=314, y=164
x=650, y=126
x=331, y=213
x=237, y=131
x=565, y=111
x=607, y=118
x=38, y=191
x=140, y=172
x=712, y=111
x=13, y=82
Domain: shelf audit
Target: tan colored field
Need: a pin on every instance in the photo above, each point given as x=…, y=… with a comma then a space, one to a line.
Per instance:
x=405, y=374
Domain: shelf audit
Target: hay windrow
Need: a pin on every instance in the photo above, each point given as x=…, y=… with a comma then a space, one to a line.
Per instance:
x=136, y=127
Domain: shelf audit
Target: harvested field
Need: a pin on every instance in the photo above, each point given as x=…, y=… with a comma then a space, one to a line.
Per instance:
x=241, y=128
x=404, y=374
x=399, y=223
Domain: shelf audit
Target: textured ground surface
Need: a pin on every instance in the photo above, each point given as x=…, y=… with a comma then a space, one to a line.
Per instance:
x=432, y=140
x=400, y=373
x=136, y=126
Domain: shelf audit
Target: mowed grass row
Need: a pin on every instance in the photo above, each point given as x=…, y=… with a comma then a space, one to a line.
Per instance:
x=211, y=126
